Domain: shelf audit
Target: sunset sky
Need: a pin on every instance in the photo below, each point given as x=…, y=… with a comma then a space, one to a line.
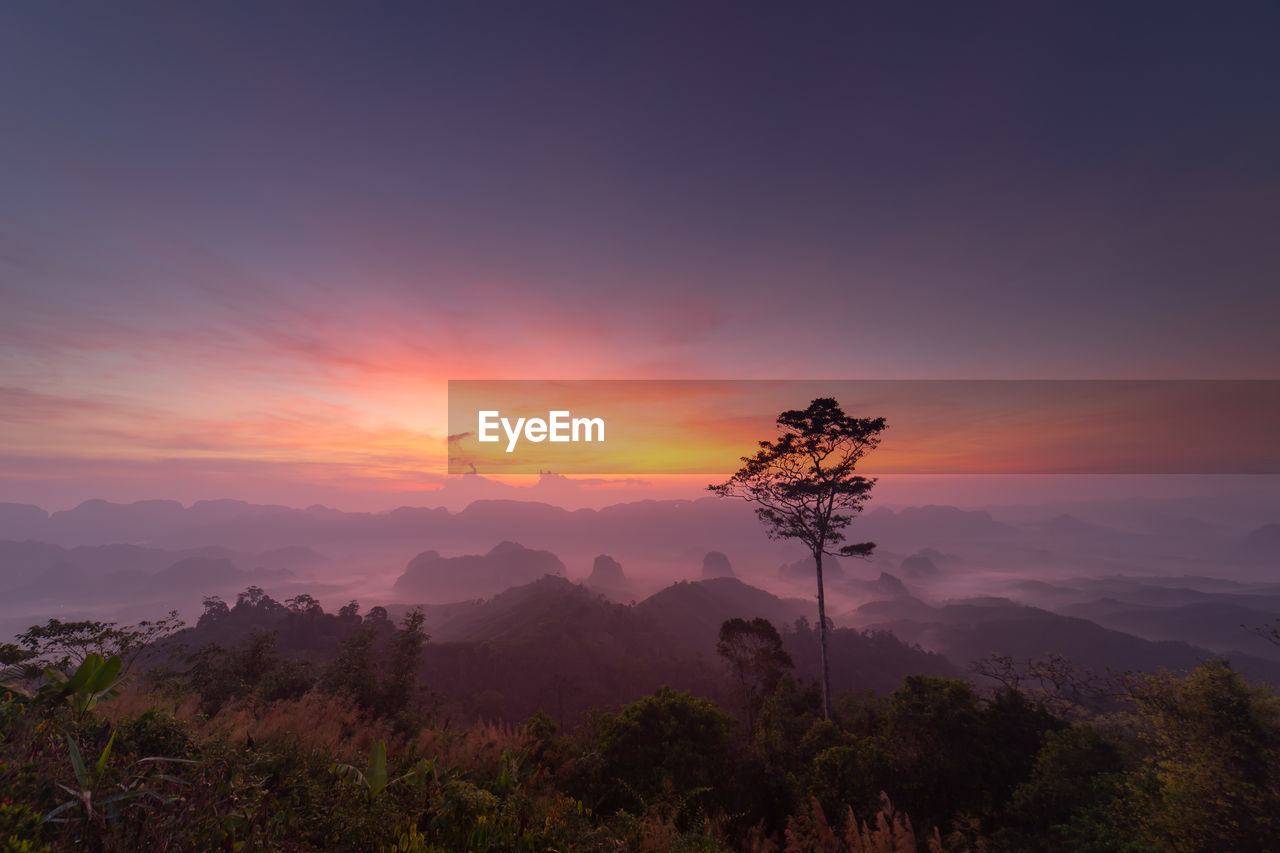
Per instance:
x=243, y=247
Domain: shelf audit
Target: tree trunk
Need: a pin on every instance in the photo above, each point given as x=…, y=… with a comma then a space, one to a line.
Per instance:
x=822, y=632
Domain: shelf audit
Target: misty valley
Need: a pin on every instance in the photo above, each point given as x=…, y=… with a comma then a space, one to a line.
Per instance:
x=516, y=675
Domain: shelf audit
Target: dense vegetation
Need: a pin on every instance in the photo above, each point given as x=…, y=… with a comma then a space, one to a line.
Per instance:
x=240, y=743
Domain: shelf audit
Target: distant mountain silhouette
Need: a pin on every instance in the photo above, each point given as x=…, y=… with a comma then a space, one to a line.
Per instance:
x=101, y=521
x=885, y=586
x=692, y=611
x=23, y=522
x=557, y=646
x=1265, y=539
x=933, y=525
x=967, y=632
x=862, y=660
x=716, y=565
x=107, y=558
x=919, y=566
x=430, y=577
x=1156, y=591
x=1222, y=626
x=107, y=574
x=259, y=527
x=516, y=614
x=606, y=571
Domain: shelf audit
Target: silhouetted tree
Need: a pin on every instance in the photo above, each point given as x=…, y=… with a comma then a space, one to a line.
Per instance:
x=806, y=488
x=381, y=675
x=65, y=645
x=400, y=682
x=256, y=598
x=302, y=603
x=754, y=655
x=257, y=657
x=214, y=609
x=353, y=671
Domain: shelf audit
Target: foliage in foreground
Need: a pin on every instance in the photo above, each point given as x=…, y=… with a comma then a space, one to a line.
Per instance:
x=222, y=757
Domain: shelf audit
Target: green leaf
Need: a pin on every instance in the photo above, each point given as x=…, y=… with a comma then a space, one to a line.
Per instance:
x=77, y=764
x=377, y=772
x=105, y=675
x=59, y=810
x=84, y=673
x=507, y=773
x=171, y=778
x=106, y=754
x=349, y=774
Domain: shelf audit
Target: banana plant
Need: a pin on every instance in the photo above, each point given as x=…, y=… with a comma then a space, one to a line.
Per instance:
x=373, y=779
x=93, y=681
x=509, y=771
x=89, y=778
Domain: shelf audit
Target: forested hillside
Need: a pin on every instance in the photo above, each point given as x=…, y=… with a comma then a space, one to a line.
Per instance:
x=553, y=719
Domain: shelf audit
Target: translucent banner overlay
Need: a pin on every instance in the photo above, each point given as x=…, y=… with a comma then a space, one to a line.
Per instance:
x=659, y=427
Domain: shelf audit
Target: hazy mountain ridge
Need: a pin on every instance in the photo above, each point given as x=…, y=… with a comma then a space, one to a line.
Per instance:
x=32, y=571
x=1224, y=627
x=968, y=632
x=961, y=582
x=557, y=646
x=257, y=527
x=507, y=564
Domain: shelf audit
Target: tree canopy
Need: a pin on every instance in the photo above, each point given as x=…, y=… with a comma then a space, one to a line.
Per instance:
x=805, y=487
x=804, y=481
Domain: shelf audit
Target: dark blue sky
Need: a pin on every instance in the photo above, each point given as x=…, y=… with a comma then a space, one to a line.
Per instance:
x=214, y=213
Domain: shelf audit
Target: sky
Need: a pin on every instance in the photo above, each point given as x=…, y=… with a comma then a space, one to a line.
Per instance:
x=243, y=247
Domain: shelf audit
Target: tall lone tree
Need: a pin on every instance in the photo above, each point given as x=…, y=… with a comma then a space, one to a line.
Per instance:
x=805, y=487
